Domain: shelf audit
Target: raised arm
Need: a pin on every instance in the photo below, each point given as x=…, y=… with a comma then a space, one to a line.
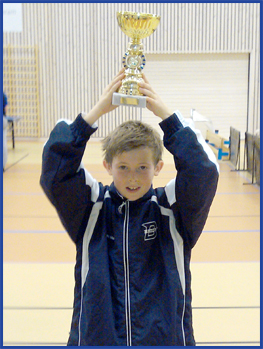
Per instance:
x=153, y=101
x=69, y=187
x=191, y=193
x=104, y=104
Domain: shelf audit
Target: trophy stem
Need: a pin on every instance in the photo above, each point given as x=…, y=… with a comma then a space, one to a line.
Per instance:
x=133, y=62
x=135, y=41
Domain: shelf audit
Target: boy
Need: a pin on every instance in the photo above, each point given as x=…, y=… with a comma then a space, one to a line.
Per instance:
x=132, y=275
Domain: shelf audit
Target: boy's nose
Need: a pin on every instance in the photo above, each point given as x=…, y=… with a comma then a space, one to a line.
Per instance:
x=133, y=177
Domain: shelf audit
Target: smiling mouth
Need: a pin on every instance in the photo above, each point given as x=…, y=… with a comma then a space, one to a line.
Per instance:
x=132, y=189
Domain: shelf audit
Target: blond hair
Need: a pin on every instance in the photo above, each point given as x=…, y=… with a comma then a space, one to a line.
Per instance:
x=131, y=135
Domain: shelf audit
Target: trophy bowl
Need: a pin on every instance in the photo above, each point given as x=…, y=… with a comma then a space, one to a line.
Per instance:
x=136, y=26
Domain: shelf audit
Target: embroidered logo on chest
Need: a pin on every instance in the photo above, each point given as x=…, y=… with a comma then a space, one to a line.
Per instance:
x=150, y=230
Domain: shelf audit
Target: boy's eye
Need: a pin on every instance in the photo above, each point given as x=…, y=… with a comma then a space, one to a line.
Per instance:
x=122, y=167
x=143, y=168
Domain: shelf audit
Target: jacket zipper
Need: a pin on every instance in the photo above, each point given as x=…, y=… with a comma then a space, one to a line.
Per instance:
x=126, y=274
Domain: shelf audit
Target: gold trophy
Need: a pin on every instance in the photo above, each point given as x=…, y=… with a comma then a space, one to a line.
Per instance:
x=136, y=26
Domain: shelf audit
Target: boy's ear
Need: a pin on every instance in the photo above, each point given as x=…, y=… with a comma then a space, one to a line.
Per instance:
x=108, y=167
x=158, y=167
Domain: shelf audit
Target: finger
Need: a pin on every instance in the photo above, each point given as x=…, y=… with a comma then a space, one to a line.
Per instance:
x=116, y=86
x=120, y=73
x=145, y=79
x=150, y=103
x=117, y=80
x=119, y=76
x=146, y=86
x=147, y=92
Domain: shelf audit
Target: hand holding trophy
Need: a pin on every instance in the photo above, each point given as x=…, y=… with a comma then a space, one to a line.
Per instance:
x=136, y=26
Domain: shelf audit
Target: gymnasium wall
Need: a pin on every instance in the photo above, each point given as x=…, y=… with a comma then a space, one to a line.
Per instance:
x=80, y=48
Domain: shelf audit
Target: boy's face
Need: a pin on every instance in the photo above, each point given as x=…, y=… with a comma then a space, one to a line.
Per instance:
x=133, y=172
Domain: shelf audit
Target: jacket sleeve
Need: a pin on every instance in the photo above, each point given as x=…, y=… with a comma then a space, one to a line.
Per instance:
x=191, y=193
x=65, y=182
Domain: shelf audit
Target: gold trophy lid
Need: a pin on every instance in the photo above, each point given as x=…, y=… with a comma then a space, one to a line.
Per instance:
x=137, y=25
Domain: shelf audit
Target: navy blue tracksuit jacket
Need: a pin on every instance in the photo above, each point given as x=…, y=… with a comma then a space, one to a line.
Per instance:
x=132, y=273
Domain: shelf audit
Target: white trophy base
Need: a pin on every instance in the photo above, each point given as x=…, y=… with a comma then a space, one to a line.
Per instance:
x=131, y=101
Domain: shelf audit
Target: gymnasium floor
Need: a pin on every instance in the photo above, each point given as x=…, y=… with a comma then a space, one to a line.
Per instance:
x=39, y=257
